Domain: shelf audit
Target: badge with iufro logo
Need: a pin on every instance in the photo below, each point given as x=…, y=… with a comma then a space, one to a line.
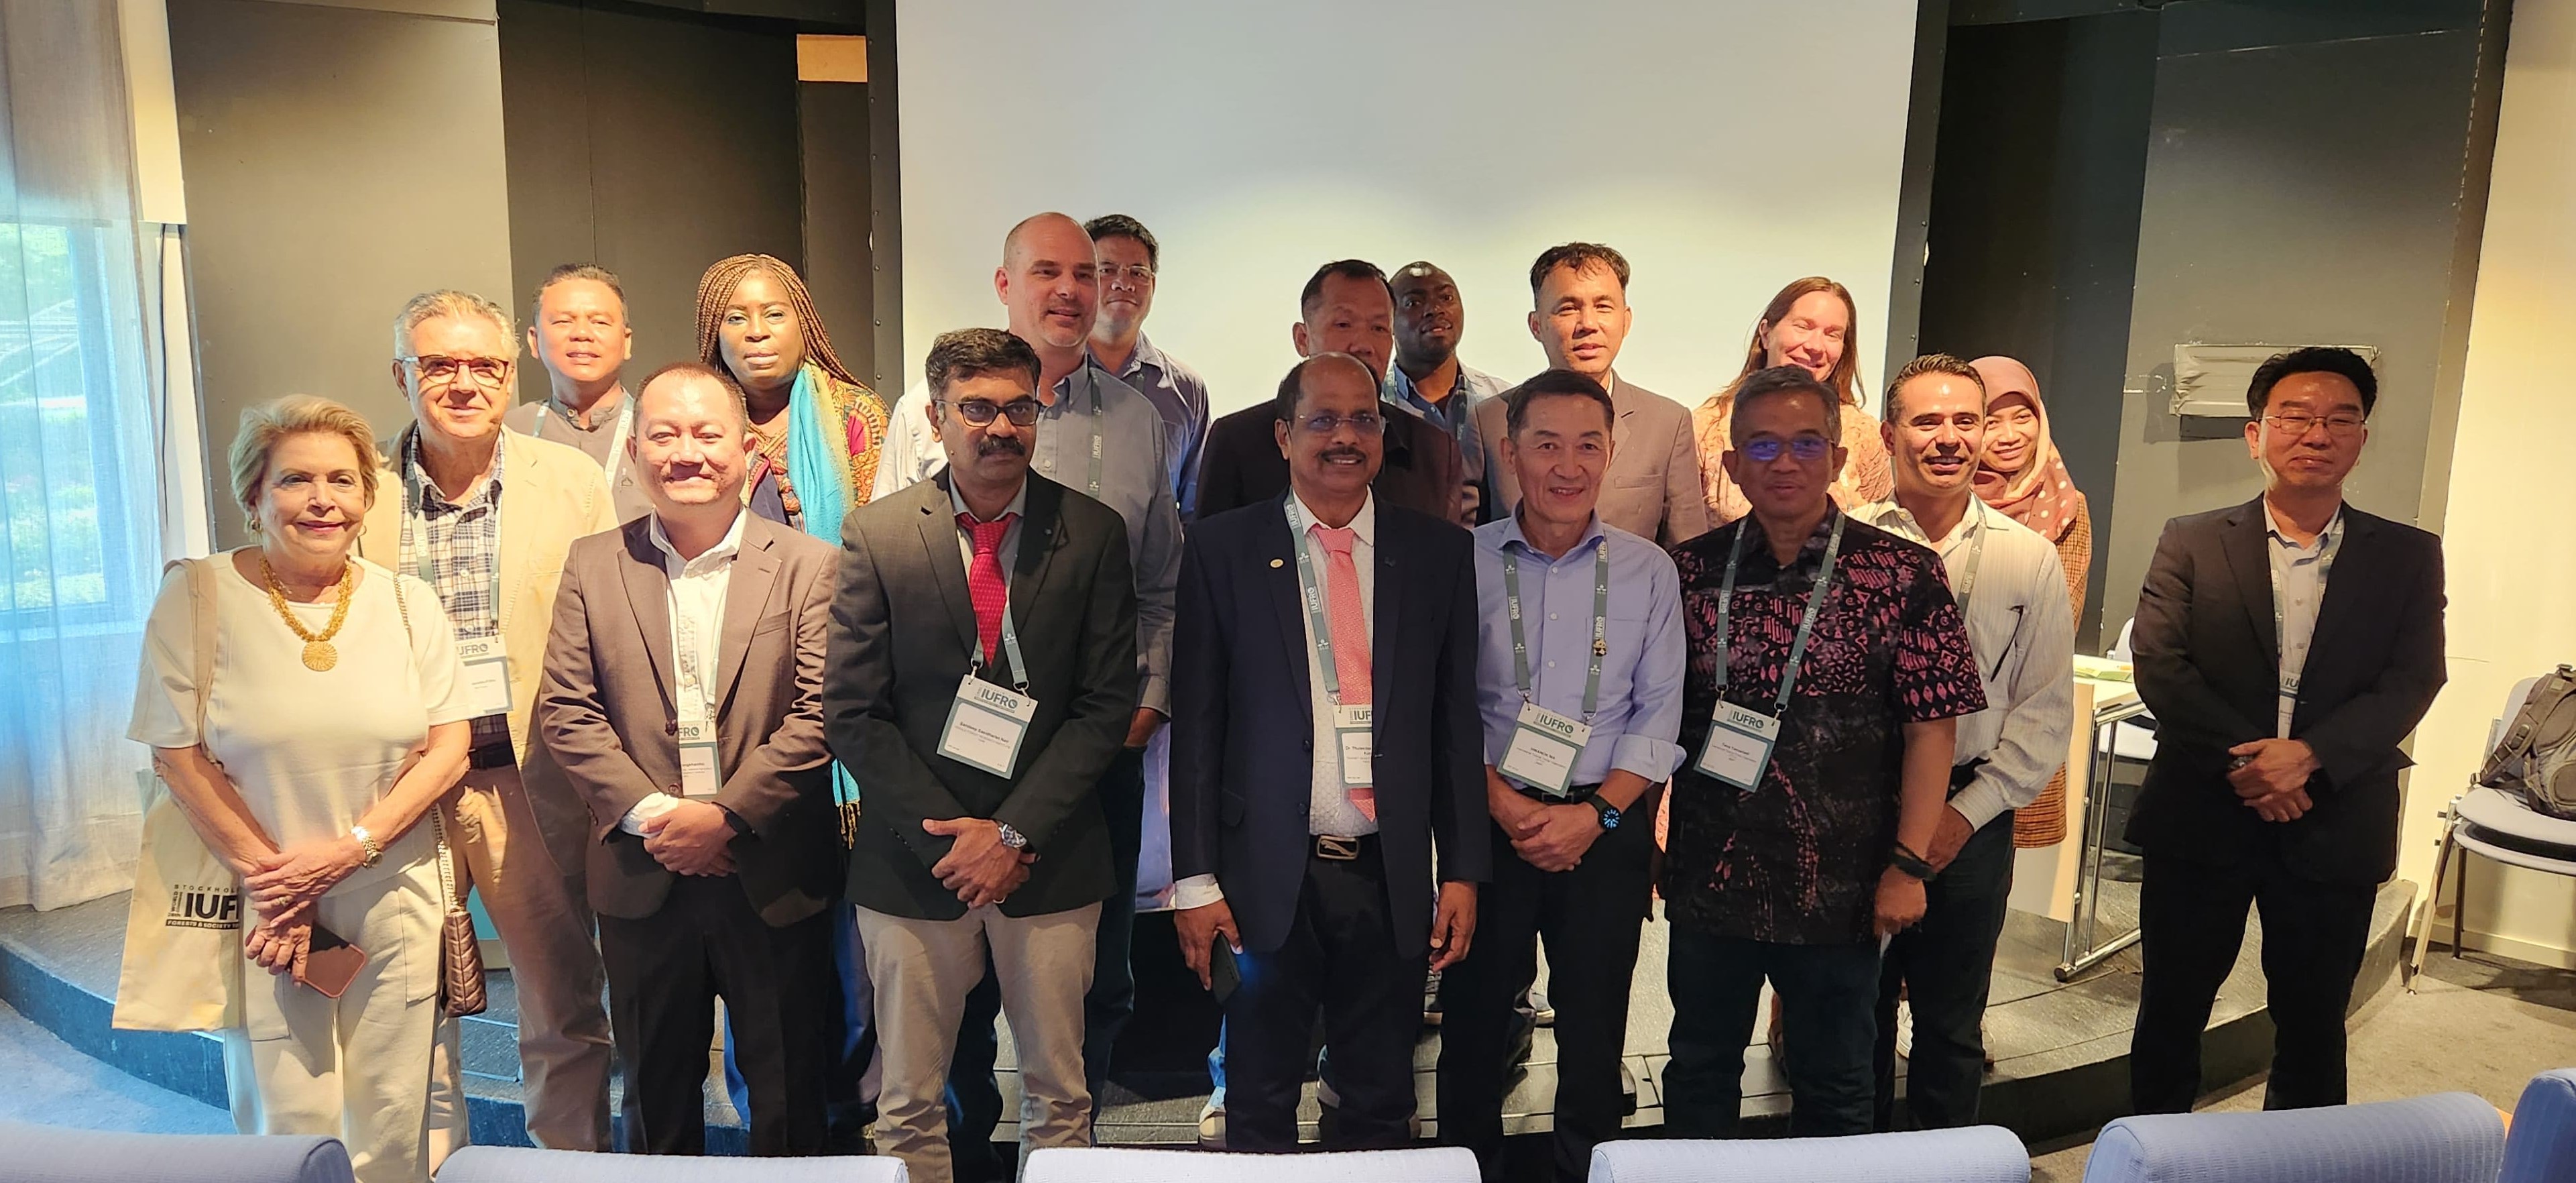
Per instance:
x=204, y=907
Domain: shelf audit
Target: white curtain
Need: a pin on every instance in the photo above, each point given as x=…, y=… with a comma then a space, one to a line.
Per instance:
x=80, y=493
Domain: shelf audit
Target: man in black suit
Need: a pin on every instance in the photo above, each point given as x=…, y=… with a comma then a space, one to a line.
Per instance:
x=1345, y=308
x=982, y=675
x=2286, y=646
x=1326, y=746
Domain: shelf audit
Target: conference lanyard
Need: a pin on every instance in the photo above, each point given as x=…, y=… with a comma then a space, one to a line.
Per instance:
x=1806, y=626
x=700, y=772
x=486, y=658
x=1091, y=383
x=1976, y=558
x=2329, y=541
x=975, y=658
x=1312, y=591
x=1600, y=625
x=616, y=439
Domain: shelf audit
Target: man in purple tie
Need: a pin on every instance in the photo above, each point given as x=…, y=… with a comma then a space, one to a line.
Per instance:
x=1325, y=748
x=982, y=673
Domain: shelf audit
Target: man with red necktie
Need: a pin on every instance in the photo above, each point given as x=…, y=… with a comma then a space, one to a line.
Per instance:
x=982, y=674
x=1325, y=746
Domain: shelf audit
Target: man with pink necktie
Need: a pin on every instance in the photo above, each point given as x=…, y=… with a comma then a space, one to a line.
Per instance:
x=1325, y=747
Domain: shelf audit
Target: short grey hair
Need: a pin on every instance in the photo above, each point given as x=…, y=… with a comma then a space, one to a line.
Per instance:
x=1778, y=382
x=449, y=302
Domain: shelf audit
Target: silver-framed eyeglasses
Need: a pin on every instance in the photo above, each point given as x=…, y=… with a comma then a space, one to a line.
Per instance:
x=2338, y=426
x=1805, y=447
x=1363, y=423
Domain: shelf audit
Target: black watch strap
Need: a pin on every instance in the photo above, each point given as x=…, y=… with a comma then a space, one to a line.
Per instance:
x=1611, y=815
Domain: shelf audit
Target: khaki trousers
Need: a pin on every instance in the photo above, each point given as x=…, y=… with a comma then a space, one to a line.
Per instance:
x=545, y=922
x=361, y=1067
x=922, y=970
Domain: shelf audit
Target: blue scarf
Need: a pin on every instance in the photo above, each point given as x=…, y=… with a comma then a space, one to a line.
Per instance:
x=817, y=458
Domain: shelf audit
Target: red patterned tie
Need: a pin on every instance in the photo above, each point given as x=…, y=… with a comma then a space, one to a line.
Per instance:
x=1350, y=635
x=984, y=578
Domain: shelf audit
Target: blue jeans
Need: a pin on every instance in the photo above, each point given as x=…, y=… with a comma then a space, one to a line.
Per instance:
x=1716, y=985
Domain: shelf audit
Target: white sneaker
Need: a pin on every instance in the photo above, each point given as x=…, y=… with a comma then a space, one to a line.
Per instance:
x=1904, y=1029
x=1212, y=1122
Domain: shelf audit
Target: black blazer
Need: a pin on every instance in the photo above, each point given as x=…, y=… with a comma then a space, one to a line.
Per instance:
x=2208, y=661
x=1243, y=735
x=1240, y=465
x=897, y=650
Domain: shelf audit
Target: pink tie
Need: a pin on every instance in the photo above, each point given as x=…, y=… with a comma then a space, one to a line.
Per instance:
x=984, y=578
x=1350, y=635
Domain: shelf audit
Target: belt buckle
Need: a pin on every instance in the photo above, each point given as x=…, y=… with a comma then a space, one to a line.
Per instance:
x=1337, y=850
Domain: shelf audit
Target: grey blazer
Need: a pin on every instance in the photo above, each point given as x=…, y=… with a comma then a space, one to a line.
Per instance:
x=1653, y=489
x=898, y=648
x=606, y=711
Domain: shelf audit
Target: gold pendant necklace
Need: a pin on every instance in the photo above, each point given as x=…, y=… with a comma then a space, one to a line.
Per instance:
x=319, y=654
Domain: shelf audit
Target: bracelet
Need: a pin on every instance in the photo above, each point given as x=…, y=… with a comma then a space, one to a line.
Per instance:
x=369, y=851
x=1911, y=864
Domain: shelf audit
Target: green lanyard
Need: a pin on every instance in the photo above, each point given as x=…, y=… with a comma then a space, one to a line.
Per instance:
x=415, y=530
x=1312, y=591
x=1600, y=624
x=1806, y=627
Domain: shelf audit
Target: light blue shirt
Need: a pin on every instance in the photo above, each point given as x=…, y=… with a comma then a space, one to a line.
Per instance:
x=1455, y=415
x=1181, y=396
x=1639, y=715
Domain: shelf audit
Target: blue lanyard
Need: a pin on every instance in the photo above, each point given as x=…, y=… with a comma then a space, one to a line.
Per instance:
x=1806, y=627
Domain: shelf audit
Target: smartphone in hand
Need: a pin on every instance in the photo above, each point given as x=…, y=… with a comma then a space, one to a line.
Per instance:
x=1224, y=976
x=332, y=963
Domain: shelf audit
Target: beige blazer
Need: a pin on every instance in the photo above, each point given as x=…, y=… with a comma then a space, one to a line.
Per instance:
x=550, y=494
x=606, y=713
x=1653, y=487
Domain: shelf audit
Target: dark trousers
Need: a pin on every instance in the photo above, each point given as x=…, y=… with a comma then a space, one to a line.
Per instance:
x=1340, y=960
x=665, y=973
x=2191, y=922
x=1716, y=983
x=847, y=1113
x=974, y=1102
x=1945, y=965
x=1591, y=918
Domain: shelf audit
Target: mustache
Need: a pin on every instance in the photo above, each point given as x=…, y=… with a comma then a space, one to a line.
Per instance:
x=1344, y=452
x=1001, y=447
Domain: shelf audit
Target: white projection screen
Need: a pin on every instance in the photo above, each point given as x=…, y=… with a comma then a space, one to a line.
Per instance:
x=1725, y=147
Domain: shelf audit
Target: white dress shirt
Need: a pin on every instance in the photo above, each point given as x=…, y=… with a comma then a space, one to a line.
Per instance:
x=2299, y=587
x=1328, y=804
x=2022, y=630
x=697, y=603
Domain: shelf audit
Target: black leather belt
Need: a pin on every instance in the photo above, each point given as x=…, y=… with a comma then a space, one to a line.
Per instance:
x=1961, y=775
x=1574, y=794
x=1335, y=849
x=496, y=754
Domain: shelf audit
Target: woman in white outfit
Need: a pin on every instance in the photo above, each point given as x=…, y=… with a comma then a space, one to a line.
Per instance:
x=337, y=720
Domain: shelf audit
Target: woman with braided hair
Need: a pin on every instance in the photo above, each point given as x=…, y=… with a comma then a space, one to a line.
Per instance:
x=816, y=431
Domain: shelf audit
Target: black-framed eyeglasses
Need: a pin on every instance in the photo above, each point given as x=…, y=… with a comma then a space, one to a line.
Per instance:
x=2338, y=426
x=437, y=367
x=1805, y=447
x=1364, y=423
x=981, y=411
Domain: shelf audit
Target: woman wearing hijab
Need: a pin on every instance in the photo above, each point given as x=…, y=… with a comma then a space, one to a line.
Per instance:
x=1812, y=324
x=2020, y=474
x=816, y=431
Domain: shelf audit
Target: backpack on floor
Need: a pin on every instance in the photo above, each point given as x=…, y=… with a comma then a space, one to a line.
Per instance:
x=2537, y=756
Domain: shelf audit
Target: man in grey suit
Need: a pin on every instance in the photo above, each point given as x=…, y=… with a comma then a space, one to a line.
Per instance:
x=682, y=699
x=1580, y=317
x=982, y=675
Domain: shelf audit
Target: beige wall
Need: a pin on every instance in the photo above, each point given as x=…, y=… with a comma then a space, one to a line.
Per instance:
x=2509, y=542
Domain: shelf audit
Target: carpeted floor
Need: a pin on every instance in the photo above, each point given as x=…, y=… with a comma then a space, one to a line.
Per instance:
x=2480, y=1025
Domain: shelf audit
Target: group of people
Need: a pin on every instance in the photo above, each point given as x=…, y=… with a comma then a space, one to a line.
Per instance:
x=740, y=682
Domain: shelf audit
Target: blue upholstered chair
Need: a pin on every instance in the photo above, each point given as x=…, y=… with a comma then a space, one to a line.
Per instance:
x=47, y=1154
x=2444, y=1138
x=518, y=1164
x=1984, y=1154
x=1102, y=1164
x=2542, y=1146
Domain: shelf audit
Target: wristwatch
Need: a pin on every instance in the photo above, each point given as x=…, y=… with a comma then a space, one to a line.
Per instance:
x=369, y=851
x=1609, y=813
x=1010, y=837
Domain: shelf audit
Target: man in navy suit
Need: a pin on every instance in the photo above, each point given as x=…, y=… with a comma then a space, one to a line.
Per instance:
x=1325, y=745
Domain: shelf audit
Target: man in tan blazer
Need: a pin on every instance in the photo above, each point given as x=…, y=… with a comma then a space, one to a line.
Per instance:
x=485, y=515
x=682, y=700
x=1580, y=318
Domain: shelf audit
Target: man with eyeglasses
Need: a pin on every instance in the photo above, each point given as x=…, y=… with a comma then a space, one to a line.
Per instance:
x=1427, y=378
x=983, y=675
x=1345, y=308
x=1130, y=261
x=1828, y=670
x=1326, y=750
x=486, y=516
x=2287, y=646
x=1098, y=437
